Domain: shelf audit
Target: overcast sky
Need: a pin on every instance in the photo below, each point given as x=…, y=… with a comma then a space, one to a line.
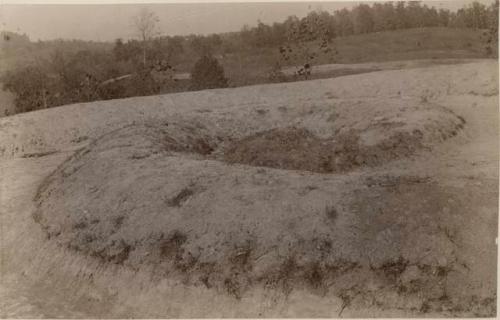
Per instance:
x=106, y=22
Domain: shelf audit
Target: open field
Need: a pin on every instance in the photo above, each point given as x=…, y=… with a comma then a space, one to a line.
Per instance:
x=363, y=195
x=400, y=45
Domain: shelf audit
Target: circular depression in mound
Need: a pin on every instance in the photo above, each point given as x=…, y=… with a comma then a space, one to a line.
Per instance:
x=167, y=198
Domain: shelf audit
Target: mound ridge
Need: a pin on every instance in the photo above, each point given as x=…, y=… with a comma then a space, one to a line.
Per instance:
x=165, y=196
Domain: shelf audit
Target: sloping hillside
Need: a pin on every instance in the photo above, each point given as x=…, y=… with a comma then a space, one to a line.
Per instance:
x=364, y=195
x=410, y=44
x=421, y=43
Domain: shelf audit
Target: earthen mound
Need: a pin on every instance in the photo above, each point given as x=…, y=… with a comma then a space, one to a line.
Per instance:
x=165, y=197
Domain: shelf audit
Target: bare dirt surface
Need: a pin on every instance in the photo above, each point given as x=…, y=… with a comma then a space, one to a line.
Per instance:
x=367, y=195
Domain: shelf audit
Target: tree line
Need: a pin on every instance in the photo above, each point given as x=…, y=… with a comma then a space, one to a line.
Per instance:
x=150, y=64
x=363, y=18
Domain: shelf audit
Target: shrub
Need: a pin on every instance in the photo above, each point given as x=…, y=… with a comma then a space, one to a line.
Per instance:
x=208, y=74
x=31, y=86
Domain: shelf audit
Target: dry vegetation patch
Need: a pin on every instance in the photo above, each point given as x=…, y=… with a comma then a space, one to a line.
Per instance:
x=297, y=148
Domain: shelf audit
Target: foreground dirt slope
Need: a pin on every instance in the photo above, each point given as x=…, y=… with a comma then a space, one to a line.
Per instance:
x=363, y=195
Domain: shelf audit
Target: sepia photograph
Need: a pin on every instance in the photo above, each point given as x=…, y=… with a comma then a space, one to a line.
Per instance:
x=223, y=159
